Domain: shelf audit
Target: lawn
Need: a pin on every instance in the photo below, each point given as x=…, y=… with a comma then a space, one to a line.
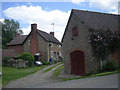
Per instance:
x=10, y=73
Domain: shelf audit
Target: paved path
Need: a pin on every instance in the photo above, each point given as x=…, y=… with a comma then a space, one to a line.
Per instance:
x=39, y=78
x=46, y=80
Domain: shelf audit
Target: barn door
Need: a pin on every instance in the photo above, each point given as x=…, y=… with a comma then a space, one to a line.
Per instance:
x=77, y=63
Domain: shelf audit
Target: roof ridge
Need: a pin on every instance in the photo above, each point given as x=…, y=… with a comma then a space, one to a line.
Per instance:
x=95, y=12
x=41, y=34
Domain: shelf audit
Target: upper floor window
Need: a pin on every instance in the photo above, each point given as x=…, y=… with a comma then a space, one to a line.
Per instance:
x=75, y=31
x=29, y=42
x=51, y=44
x=59, y=46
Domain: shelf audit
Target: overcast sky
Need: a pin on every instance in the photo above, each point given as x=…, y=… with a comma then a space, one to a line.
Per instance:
x=46, y=13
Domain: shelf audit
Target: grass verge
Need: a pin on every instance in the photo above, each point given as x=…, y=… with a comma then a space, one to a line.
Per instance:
x=47, y=70
x=58, y=70
x=95, y=75
x=10, y=73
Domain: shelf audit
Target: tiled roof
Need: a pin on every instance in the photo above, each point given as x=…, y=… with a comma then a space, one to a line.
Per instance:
x=48, y=37
x=18, y=40
x=98, y=20
x=8, y=52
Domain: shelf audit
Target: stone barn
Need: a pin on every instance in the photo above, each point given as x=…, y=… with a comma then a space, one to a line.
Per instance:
x=76, y=49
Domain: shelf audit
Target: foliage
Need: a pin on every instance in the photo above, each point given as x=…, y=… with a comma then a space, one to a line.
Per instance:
x=55, y=61
x=5, y=60
x=110, y=66
x=27, y=57
x=104, y=42
x=9, y=29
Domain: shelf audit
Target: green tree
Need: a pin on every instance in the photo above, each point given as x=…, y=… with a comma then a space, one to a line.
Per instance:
x=9, y=29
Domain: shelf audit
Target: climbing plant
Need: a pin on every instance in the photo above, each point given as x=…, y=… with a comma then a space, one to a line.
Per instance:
x=104, y=42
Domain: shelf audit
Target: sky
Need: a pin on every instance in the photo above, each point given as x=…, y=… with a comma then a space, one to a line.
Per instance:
x=46, y=13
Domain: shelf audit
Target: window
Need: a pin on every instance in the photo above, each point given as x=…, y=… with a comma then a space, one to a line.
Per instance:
x=51, y=44
x=75, y=31
x=29, y=42
x=51, y=53
x=54, y=55
x=59, y=46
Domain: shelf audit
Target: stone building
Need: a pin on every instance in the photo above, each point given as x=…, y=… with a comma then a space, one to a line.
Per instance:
x=76, y=49
x=42, y=45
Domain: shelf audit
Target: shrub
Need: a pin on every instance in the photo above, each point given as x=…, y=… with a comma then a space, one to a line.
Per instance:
x=110, y=66
x=46, y=63
x=55, y=61
x=5, y=60
x=27, y=57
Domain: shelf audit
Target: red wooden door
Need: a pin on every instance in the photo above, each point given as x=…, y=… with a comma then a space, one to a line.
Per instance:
x=77, y=63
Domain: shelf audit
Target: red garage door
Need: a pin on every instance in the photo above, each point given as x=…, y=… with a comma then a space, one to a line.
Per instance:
x=77, y=63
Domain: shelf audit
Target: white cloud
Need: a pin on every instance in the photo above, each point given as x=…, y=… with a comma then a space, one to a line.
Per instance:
x=2, y=19
x=78, y=1
x=107, y=5
x=35, y=14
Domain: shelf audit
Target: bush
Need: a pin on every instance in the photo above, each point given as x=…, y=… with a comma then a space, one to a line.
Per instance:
x=46, y=63
x=27, y=57
x=110, y=66
x=55, y=61
x=5, y=60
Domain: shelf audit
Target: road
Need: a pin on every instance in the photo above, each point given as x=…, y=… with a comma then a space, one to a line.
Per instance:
x=109, y=81
x=46, y=80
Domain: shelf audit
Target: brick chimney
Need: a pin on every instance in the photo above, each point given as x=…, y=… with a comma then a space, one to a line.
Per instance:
x=52, y=33
x=17, y=34
x=34, y=27
x=34, y=41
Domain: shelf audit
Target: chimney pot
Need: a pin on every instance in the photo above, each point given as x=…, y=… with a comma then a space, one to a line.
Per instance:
x=34, y=27
x=52, y=33
x=17, y=34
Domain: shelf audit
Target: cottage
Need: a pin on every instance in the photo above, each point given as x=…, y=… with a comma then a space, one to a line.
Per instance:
x=76, y=49
x=42, y=45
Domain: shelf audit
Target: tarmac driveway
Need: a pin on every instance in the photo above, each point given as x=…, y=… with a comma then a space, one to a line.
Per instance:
x=108, y=81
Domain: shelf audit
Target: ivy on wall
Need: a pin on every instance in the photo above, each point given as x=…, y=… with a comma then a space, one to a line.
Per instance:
x=104, y=42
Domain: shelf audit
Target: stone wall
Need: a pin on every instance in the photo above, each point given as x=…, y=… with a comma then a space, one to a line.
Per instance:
x=80, y=42
x=42, y=48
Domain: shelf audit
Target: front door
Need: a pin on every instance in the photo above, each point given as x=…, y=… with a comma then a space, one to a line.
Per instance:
x=77, y=63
